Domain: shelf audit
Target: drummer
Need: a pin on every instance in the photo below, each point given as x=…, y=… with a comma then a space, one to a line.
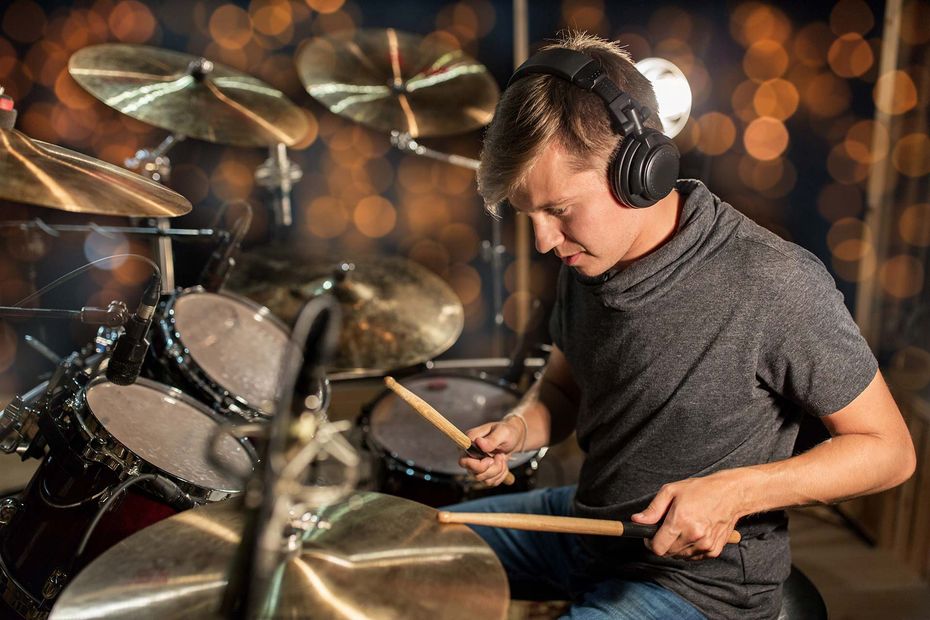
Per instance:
x=688, y=342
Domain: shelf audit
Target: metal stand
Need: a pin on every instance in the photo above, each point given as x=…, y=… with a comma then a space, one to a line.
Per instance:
x=279, y=174
x=155, y=165
x=492, y=251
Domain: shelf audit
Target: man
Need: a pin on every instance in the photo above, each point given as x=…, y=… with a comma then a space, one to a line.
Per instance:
x=688, y=341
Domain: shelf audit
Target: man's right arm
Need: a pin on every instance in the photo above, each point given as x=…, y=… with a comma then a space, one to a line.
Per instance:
x=549, y=408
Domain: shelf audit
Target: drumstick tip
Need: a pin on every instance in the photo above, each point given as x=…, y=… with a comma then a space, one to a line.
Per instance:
x=444, y=516
x=389, y=381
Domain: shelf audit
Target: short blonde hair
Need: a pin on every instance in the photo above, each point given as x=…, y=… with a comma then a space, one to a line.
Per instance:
x=539, y=109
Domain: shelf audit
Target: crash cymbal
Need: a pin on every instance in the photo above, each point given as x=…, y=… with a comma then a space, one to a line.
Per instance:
x=188, y=95
x=395, y=313
x=43, y=174
x=391, y=80
x=372, y=556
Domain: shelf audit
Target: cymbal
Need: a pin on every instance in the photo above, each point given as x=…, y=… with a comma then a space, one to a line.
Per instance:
x=395, y=313
x=392, y=80
x=373, y=556
x=188, y=95
x=39, y=173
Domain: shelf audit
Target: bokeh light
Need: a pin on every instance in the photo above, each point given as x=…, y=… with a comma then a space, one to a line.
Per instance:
x=902, y=276
x=765, y=138
x=914, y=224
x=717, y=133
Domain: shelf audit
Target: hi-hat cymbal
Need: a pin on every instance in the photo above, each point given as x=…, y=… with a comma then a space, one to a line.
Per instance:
x=395, y=313
x=188, y=95
x=371, y=556
x=43, y=174
x=392, y=80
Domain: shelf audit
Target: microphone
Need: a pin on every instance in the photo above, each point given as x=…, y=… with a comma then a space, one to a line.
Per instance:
x=222, y=260
x=129, y=353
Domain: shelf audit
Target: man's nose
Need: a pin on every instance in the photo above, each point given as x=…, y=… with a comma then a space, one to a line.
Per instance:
x=547, y=234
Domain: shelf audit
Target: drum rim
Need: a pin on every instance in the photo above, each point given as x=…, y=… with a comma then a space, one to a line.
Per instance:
x=173, y=392
x=365, y=422
x=168, y=323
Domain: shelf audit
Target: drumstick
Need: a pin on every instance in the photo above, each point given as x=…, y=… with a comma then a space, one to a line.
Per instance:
x=564, y=525
x=436, y=419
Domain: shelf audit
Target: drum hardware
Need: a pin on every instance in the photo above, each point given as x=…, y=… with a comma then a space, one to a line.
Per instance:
x=278, y=174
x=54, y=230
x=223, y=259
x=41, y=348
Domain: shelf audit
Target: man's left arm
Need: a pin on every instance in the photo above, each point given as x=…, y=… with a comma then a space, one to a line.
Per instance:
x=870, y=450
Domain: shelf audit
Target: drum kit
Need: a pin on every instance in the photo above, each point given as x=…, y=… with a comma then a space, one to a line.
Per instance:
x=157, y=496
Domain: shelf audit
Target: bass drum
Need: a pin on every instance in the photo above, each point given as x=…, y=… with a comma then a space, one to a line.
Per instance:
x=416, y=461
x=145, y=437
x=225, y=350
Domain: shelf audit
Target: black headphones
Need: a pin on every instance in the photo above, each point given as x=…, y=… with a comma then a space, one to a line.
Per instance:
x=644, y=168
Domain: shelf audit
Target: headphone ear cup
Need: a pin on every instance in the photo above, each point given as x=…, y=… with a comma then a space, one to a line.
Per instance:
x=644, y=169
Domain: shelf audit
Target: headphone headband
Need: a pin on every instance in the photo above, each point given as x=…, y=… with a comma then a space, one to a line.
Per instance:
x=645, y=167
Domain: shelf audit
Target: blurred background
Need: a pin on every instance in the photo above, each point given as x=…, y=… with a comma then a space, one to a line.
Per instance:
x=810, y=117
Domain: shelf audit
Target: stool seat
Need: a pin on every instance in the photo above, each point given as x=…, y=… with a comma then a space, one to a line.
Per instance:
x=800, y=599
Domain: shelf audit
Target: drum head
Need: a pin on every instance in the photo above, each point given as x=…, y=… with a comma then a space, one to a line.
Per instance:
x=235, y=342
x=167, y=430
x=465, y=401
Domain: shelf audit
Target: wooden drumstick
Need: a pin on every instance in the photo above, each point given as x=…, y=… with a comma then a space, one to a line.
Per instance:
x=563, y=525
x=436, y=419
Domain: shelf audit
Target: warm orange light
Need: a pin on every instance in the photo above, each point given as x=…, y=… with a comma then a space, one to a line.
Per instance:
x=752, y=21
x=777, y=98
x=914, y=224
x=230, y=27
x=326, y=217
x=902, y=276
x=850, y=55
x=765, y=138
x=843, y=168
x=911, y=155
x=717, y=133
x=903, y=93
x=466, y=282
x=826, y=95
x=765, y=60
x=374, y=216
x=325, y=6
x=462, y=241
x=812, y=43
x=867, y=142
x=132, y=22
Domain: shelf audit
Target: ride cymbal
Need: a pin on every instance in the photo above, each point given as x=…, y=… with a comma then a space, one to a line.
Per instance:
x=395, y=313
x=369, y=556
x=188, y=95
x=38, y=173
x=391, y=80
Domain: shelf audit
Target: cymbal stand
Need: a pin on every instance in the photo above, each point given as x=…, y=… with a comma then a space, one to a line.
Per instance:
x=53, y=230
x=493, y=250
x=155, y=165
x=279, y=174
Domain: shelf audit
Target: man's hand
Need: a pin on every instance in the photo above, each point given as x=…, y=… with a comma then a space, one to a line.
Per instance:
x=499, y=439
x=699, y=514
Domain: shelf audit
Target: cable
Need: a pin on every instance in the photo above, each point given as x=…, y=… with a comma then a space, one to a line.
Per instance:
x=105, y=507
x=76, y=272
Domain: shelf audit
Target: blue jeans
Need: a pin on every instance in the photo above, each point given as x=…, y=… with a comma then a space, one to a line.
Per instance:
x=548, y=566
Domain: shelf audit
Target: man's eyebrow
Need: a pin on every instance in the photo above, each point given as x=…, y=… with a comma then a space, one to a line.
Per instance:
x=549, y=205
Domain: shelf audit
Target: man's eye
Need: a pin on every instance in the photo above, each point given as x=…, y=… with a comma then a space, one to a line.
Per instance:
x=558, y=212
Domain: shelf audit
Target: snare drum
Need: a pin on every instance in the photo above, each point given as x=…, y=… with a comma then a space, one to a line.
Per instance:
x=416, y=460
x=223, y=349
x=98, y=437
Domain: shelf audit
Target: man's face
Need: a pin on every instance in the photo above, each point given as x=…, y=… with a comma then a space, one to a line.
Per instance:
x=575, y=216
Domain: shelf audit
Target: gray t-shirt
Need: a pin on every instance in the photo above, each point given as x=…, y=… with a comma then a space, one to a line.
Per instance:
x=699, y=357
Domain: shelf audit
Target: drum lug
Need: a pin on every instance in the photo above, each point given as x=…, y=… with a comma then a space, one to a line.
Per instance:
x=8, y=509
x=54, y=584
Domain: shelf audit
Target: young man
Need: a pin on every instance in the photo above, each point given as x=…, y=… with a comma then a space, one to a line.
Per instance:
x=688, y=341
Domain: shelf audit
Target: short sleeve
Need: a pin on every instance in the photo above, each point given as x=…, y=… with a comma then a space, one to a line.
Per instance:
x=811, y=350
